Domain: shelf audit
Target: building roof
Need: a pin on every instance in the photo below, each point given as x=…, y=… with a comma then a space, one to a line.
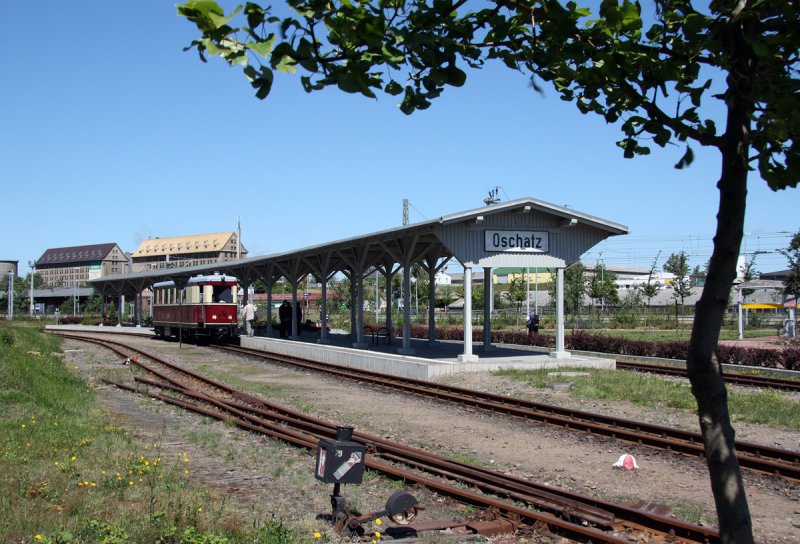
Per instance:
x=75, y=254
x=777, y=275
x=182, y=245
x=62, y=292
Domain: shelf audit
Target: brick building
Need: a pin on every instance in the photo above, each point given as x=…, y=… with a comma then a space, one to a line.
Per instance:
x=68, y=266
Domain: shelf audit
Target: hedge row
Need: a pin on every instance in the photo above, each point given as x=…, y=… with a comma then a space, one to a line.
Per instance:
x=787, y=358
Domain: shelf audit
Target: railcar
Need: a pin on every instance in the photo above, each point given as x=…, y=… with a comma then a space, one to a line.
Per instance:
x=207, y=307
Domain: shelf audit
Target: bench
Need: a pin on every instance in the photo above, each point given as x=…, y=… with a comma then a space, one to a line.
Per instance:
x=377, y=333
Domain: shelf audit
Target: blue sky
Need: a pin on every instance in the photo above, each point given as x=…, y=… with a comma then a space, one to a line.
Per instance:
x=112, y=133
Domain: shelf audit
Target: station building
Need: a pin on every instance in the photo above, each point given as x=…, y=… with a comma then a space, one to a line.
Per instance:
x=190, y=250
x=77, y=265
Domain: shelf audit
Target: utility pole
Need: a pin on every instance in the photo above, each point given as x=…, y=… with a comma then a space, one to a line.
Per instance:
x=239, y=239
x=32, y=265
x=10, y=296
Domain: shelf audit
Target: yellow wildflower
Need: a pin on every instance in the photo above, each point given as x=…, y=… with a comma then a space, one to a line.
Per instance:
x=37, y=537
x=317, y=535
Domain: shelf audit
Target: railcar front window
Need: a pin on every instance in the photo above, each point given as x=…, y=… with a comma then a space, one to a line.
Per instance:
x=223, y=293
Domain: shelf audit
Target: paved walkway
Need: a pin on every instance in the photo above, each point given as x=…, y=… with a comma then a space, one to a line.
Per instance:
x=766, y=342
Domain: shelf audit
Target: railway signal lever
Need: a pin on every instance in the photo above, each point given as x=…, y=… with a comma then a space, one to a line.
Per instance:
x=341, y=461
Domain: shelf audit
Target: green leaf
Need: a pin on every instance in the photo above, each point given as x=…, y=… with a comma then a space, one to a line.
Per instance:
x=262, y=48
x=285, y=64
x=219, y=19
x=694, y=24
x=393, y=88
x=264, y=83
x=686, y=160
x=455, y=76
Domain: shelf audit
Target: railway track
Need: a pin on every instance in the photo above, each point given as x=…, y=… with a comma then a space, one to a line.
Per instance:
x=756, y=457
x=767, y=382
x=526, y=504
x=735, y=378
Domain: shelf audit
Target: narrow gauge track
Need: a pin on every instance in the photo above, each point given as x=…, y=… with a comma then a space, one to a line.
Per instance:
x=730, y=377
x=757, y=457
x=572, y=515
x=766, y=382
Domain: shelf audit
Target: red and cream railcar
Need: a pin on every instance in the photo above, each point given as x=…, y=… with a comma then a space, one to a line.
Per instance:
x=206, y=307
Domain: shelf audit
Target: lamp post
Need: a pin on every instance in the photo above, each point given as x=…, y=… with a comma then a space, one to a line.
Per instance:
x=75, y=292
x=527, y=291
x=32, y=265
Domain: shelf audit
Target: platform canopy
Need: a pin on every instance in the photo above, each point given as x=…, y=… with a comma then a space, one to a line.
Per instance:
x=525, y=232
x=522, y=232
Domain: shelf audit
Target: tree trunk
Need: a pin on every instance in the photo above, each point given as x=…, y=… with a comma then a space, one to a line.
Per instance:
x=705, y=372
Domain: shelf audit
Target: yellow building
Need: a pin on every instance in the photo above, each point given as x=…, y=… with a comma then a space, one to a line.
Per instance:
x=191, y=250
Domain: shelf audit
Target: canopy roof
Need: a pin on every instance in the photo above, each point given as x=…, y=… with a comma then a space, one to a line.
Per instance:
x=461, y=236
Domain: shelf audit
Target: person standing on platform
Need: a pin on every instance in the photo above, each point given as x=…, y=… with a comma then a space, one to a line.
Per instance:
x=285, y=315
x=299, y=317
x=533, y=323
x=249, y=316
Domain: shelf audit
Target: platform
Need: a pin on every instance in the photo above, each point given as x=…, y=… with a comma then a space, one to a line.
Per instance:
x=429, y=360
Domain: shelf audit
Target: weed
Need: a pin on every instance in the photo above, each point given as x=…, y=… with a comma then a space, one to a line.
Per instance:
x=760, y=406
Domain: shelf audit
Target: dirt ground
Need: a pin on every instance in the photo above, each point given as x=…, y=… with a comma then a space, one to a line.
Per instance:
x=253, y=472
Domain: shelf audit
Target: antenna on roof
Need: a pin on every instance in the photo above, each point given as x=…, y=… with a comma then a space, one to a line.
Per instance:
x=493, y=197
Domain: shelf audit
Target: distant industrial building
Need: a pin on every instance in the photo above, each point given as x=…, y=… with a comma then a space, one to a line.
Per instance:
x=76, y=265
x=7, y=266
x=192, y=250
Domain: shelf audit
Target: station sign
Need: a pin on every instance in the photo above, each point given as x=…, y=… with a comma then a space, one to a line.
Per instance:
x=517, y=241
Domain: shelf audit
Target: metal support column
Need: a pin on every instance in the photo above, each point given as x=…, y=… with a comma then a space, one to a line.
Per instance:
x=559, y=352
x=323, y=313
x=406, y=349
x=431, y=307
x=467, y=356
x=295, y=333
x=487, y=308
x=359, y=324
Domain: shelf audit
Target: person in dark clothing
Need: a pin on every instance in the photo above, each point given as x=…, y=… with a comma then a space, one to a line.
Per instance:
x=533, y=323
x=285, y=315
x=299, y=317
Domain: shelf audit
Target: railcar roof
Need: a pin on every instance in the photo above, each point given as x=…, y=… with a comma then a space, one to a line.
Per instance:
x=208, y=278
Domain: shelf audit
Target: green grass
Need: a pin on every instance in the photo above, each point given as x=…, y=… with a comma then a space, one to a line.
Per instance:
x=70, y=476
x=766, y=407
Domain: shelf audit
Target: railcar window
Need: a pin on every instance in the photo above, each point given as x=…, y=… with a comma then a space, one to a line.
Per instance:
x=222, y=293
